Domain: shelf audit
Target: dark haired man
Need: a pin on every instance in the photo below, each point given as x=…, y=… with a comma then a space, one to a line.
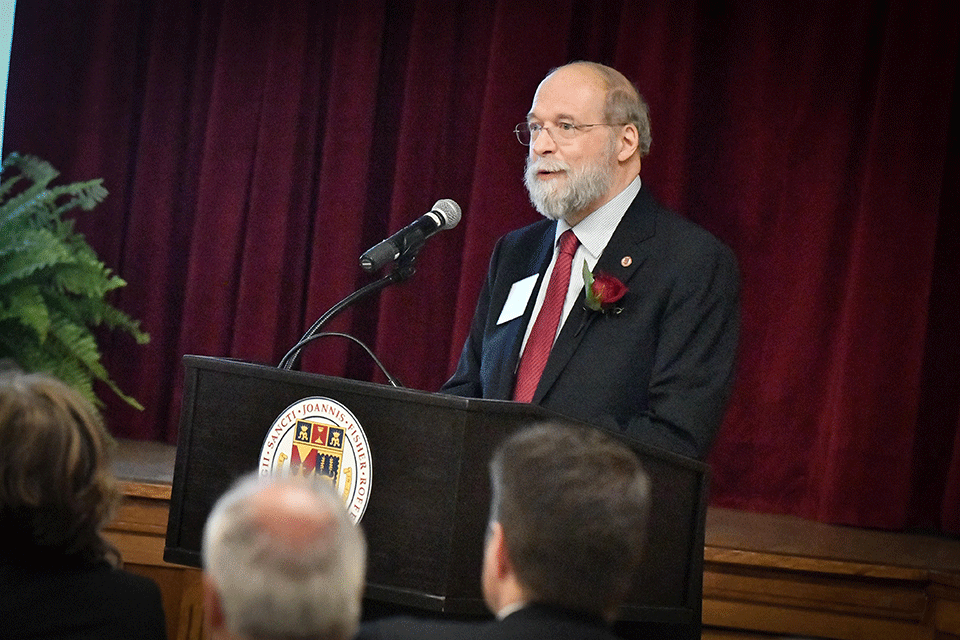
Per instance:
x=568, y=519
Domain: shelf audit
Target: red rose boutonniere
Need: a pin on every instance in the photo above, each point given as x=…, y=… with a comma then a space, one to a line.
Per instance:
x=603, y=291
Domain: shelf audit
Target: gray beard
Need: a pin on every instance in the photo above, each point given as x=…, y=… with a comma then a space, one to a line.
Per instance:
x=583, y=186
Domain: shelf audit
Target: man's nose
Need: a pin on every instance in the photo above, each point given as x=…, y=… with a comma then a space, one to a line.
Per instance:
x=544, y=143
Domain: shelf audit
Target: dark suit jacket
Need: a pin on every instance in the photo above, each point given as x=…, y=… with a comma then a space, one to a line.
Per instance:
x=660, y=371
x=54, y=598
x=532, y=622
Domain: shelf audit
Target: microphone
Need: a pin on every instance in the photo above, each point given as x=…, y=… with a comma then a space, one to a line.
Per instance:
x=444, y=215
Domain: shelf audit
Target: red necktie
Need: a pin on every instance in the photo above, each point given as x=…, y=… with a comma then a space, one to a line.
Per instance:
x=544, y=331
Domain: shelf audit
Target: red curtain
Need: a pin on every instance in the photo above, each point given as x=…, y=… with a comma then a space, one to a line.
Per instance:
x=253, y=149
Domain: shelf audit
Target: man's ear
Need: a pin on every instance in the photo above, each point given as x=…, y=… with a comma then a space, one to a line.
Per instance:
x=212, y=609
x=629, y=141
x=501, y=555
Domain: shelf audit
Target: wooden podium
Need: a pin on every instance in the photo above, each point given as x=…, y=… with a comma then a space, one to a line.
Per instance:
x=428, y=505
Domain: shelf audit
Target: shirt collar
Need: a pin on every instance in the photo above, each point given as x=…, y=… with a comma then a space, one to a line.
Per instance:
x=513, y=607
x=595, y=231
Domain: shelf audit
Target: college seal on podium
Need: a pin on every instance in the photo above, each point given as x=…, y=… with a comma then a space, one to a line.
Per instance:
x=321, y=437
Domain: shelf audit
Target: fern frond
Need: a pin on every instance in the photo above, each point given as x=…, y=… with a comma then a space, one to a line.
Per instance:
x=86, y=280
x=47, y=356
x=6, y=186
x=35, y=250
x=72, y=373
x=30, y=202
x=33, y=168
x=33, y=199
x=28, y=307
x=85, y=195
x=97, y=312
x=20, y=344
x=79, y=342
x=53, y=286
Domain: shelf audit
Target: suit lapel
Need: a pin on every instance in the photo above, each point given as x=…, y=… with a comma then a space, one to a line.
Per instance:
x=510, y=334
x=621, y=258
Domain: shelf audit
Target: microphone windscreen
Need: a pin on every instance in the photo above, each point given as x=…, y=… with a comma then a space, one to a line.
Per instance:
x=449, y=211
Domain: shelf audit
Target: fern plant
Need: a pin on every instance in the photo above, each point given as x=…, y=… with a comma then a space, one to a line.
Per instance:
x=52, y=285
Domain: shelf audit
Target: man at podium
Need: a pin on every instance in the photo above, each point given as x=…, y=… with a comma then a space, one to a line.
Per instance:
x=563, y=543
x=648, y=346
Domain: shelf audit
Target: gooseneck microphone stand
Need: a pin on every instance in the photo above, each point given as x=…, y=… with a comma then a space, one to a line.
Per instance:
x=403, y=268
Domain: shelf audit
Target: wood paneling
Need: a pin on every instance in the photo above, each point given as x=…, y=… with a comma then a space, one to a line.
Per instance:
x=139, y=531
x=786, y=575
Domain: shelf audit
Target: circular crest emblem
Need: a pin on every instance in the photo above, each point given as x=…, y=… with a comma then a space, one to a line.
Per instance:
x=321, y=437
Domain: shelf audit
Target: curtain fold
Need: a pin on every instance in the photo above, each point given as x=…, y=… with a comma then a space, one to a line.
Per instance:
x=255, y=148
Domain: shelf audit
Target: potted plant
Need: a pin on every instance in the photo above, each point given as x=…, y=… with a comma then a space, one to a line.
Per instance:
x=53, y=288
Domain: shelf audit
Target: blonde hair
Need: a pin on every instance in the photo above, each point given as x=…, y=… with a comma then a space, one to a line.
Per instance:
x=56, y=488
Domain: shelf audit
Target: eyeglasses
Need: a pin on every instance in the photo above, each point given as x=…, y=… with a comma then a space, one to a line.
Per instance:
x=528, y=132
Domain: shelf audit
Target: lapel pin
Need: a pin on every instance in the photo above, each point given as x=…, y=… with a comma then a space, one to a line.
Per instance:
x=626, y=261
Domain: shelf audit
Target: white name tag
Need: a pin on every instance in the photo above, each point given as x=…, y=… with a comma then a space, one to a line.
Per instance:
x=517, y=298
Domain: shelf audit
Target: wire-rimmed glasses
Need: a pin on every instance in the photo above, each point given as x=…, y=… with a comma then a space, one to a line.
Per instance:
x=528, y=132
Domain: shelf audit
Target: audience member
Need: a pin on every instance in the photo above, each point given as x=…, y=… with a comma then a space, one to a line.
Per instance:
x=282, y=560
x=59, y=576
x=567, y=525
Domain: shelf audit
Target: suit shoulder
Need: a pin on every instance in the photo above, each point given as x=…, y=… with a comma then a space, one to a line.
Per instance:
x=687, y=238
x=673, y=223
x=521, y=251
x=523, y=235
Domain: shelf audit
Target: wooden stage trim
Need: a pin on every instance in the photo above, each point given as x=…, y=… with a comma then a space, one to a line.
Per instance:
x=145, y=471
x=785, y=575
x=765, y=576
